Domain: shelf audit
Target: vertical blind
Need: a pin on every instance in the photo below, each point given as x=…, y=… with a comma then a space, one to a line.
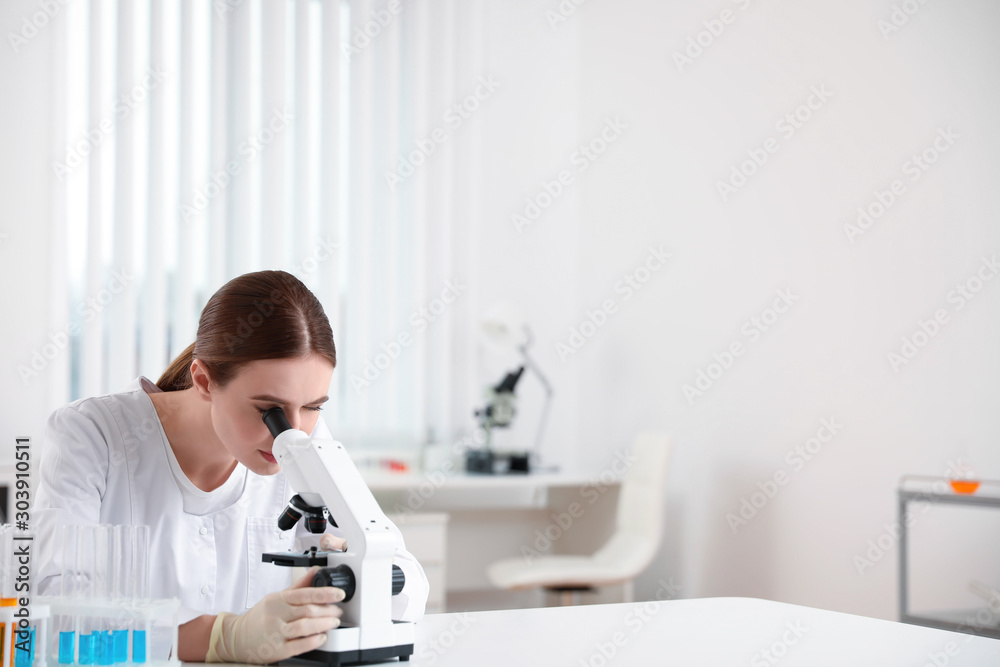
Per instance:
x=206, y=139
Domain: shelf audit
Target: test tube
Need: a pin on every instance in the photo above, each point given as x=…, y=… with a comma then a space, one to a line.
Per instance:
x=125, y=595
x=118, y=588
x=140, y=588
x=68, y=582
x=104, y=577
x=85, y=568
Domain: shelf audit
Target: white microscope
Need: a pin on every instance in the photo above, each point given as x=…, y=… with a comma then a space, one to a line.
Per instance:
x=328, y=483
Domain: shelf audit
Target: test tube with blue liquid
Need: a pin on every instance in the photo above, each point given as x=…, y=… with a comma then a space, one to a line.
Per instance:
x=116, y=587
x=105, y=578
x=64, y=625
x=139, y=582
x=87, y=626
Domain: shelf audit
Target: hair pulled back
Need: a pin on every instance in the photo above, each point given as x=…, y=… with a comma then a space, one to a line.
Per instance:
x=260, y=315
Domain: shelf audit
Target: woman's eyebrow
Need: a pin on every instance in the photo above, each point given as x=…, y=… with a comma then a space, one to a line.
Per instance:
x=266, y=397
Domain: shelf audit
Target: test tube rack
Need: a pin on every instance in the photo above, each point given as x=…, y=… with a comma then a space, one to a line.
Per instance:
x=152, y=641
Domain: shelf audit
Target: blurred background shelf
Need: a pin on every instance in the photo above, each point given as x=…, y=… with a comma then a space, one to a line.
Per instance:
x=983, y=621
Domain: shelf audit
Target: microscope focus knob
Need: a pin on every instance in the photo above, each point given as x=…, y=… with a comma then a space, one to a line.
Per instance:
x=342, y=577
x=398, y=579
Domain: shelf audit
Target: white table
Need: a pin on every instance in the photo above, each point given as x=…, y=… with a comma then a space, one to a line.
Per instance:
x=709, y=632
x=714, y=632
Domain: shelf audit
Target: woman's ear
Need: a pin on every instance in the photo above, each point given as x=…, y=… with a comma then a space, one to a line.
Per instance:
x=200, y=380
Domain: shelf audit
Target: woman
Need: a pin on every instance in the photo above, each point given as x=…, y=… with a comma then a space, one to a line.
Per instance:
x=191, y=457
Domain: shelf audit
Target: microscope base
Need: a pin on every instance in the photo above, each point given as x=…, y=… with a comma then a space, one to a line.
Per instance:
x=342, y=648
x=360, y=657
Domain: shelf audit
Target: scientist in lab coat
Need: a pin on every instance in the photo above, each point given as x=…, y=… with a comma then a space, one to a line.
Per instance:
x=190, y=457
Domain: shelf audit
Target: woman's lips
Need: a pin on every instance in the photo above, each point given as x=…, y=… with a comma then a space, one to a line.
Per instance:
x=267, y=457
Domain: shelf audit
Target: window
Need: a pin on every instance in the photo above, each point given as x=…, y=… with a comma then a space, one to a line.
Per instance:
x=207, y=139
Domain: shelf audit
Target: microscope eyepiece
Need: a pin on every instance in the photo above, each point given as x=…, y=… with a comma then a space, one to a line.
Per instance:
x=316, y=517
x=276, y=421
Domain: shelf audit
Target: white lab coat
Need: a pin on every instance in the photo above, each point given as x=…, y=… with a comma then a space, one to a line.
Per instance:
x=107, y=460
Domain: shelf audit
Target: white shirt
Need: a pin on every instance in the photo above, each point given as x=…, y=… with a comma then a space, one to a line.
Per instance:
x=106, y=460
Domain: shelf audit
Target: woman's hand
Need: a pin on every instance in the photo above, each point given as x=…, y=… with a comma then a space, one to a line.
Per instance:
x=330, y=542
x=283, y=624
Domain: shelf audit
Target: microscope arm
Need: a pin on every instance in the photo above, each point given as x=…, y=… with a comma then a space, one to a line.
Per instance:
x=323, y=474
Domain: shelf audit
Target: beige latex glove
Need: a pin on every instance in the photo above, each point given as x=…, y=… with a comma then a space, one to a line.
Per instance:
x=330, y=542
x=283, y=624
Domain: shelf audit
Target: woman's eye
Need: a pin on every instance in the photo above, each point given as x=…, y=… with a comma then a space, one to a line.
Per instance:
x=263, y=410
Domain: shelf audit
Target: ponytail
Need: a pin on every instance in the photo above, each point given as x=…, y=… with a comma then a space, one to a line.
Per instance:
x=178, y=374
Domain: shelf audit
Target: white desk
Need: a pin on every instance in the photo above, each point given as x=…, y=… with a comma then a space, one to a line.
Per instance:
x=492, y=517
x=714, y=632
x=709, y=632
x=423, y=491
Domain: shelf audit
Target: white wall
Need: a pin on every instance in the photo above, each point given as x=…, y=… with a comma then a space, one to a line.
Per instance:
x=827, y=356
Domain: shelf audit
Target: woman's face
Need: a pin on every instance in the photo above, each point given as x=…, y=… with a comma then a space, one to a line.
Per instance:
x=298, y=386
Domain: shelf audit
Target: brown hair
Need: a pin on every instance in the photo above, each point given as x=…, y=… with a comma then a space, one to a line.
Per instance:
x=261, y=315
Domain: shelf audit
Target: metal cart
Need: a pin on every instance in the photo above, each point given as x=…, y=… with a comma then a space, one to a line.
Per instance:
x=913, y=488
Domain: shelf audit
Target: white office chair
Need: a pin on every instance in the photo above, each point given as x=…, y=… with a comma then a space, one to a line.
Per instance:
x=638, y=531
